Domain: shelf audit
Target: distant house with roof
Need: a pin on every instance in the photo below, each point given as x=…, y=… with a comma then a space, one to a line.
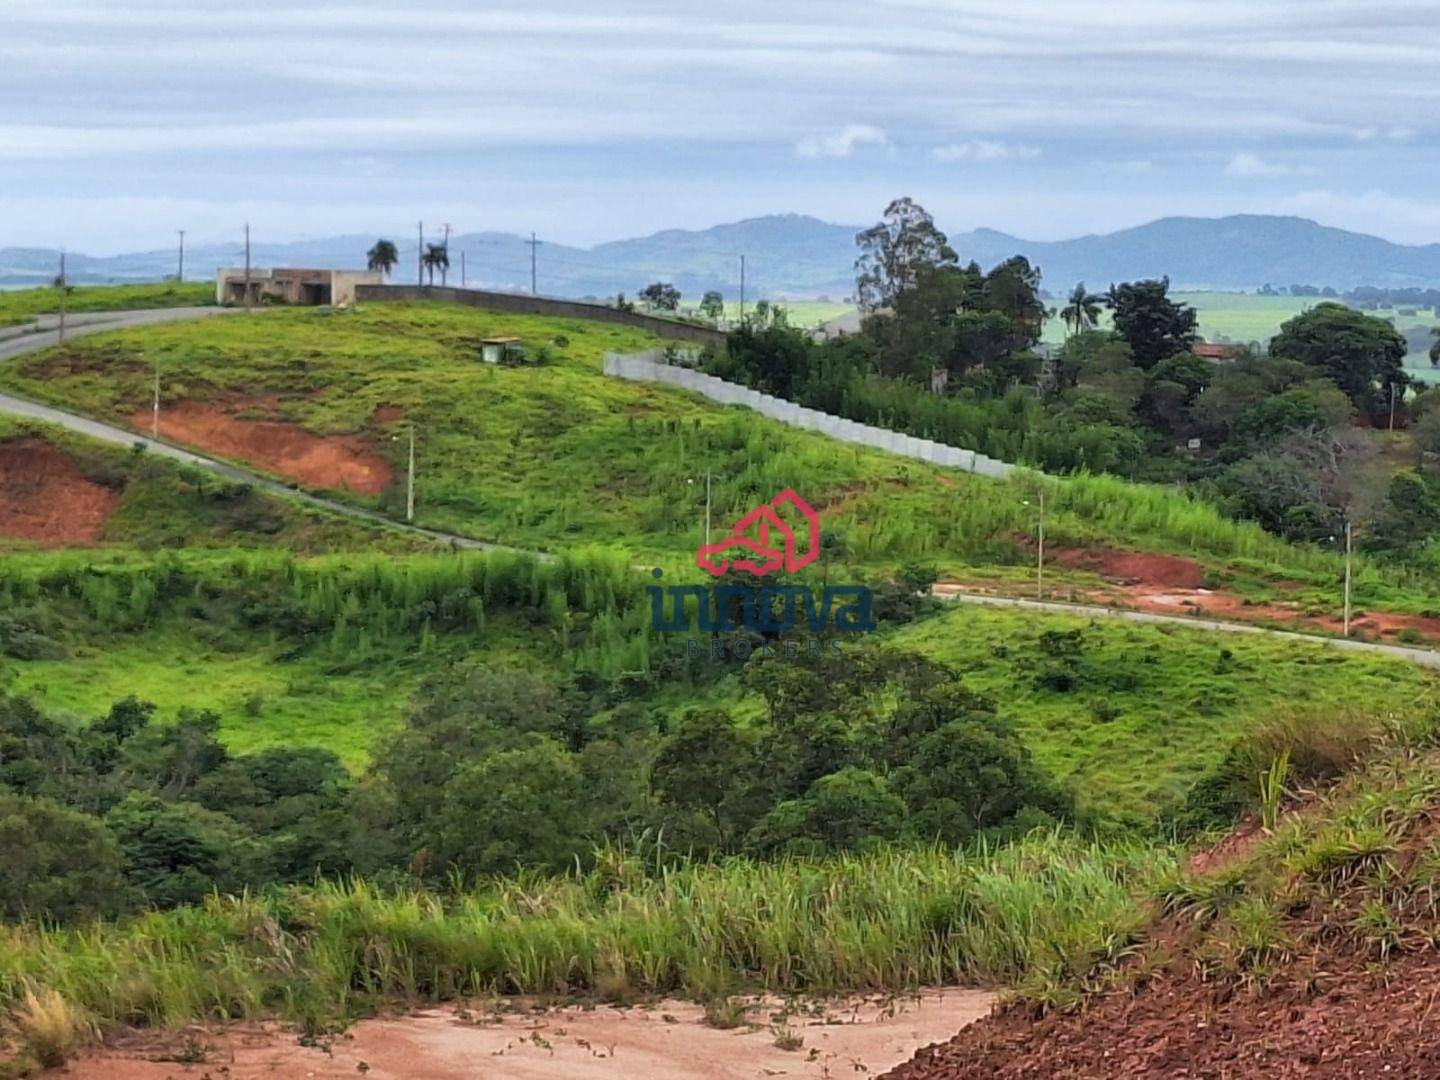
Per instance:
x=1218, y=352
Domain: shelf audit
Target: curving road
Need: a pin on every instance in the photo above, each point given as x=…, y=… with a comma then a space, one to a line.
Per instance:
x=34, y=341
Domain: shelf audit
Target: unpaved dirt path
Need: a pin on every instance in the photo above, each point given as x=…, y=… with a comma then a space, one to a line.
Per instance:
x=665, y=1041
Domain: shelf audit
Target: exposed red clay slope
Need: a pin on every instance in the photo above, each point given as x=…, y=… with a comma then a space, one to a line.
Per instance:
x=1131, y=567
x=44, y=498
x=342, y=462
x=1327, y=1006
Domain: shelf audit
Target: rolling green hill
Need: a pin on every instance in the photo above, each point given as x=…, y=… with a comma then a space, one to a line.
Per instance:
x=553, y=454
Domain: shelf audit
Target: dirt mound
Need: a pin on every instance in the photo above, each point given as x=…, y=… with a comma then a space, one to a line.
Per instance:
x=1177, y=1025
x=336, y=462
x=1324, y=964
x=44, y=498
x=665, y=1041
x=1134, y=568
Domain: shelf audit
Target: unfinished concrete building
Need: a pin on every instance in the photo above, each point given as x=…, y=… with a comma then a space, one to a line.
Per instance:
x=300, y=287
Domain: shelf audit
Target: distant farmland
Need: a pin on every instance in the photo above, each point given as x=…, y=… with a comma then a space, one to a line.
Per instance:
x=1246, y=317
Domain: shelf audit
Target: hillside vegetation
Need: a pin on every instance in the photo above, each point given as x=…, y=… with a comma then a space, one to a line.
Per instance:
x=258, y=762
x=554, y=454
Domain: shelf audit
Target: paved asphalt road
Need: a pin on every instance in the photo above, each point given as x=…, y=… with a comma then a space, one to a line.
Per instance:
x=108, y=433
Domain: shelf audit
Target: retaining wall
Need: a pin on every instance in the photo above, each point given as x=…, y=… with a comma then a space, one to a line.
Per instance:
x=523, y=304
x=645, y=367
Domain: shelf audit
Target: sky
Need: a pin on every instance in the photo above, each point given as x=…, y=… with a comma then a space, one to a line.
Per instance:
x=122, y=121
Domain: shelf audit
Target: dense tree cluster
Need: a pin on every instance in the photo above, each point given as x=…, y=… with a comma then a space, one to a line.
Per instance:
x=497, y=770
x=949, y=351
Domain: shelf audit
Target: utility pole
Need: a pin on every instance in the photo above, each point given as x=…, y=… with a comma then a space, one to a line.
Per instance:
x=420, y=255
x=534, y=244
x=247, y=266
x=155, y=409
x=64, y=295
x=742, y=288
x=1349, y=547
x=180, y=271
x=1040, y=558
x=707, y=507
x=444, y=268
x=410, y=483
x=462, y=268
x=1392, y=406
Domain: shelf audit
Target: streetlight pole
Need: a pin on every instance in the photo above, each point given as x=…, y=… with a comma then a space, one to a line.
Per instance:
x=155, y=407
x=410, y=482
x=1349, y=548
x=707, y=507
x=1040, y=558
x=64, y=294
x=180, y=270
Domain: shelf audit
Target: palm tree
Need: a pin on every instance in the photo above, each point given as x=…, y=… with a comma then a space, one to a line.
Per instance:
x=1083, y=310
x=436, y=257
x=382, y=257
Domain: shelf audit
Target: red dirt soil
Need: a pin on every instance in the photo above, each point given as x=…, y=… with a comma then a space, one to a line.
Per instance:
x=314, y=461
x=1133, y=568
x=1330, y=1007
x=45, y=499
x=666, y=1041
x=1171, y=585
x=1355, y=1025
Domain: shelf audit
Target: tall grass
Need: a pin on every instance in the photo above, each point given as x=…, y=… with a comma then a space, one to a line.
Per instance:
x=589, y=602
x=883, y=920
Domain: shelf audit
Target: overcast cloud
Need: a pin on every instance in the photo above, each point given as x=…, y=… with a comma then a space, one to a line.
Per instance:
x=123, y=121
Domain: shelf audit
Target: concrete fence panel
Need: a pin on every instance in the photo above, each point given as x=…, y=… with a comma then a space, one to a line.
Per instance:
x=650, y=367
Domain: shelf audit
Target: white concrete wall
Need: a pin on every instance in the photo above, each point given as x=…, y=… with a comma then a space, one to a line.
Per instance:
x=648, y=367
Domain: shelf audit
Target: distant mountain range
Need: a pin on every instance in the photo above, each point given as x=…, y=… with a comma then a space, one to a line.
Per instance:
x=791, y=255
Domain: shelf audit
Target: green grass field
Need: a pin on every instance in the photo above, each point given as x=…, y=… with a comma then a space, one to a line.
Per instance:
x=1148, y=709
x=1131, y=715
x=557, y=455
x=23, y=305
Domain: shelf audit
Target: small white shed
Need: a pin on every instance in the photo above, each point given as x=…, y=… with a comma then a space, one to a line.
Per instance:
x=495, y=349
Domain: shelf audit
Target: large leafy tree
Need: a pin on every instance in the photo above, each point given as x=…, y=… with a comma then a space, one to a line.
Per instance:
x=712, y=305
x=382, y=257
x=1362, y=354
x=661, y=295
x=709, y=767
x=59, y=863
x=894, y=251
x=1154, y=326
